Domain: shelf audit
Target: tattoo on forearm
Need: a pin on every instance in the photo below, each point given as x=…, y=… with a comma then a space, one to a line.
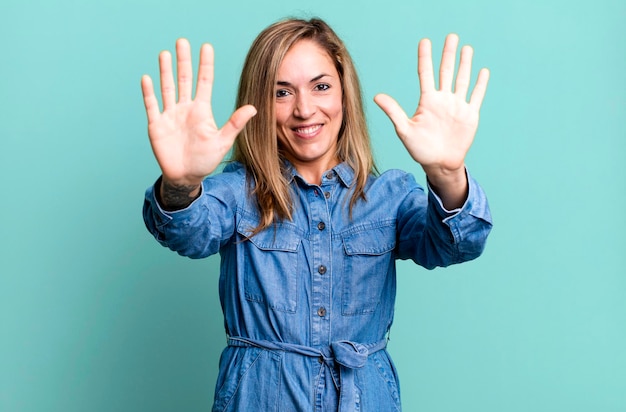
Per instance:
x=175, y=197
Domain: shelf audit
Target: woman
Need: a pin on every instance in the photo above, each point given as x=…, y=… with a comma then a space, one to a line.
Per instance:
x=307, y=231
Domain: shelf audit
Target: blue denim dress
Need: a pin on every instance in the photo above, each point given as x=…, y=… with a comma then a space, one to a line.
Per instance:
x=308, y=303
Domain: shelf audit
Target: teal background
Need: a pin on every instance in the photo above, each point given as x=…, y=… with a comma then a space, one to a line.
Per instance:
x=96, y=316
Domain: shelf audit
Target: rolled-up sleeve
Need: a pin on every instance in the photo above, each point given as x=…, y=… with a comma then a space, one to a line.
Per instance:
x=200, y=229
x=440, y=237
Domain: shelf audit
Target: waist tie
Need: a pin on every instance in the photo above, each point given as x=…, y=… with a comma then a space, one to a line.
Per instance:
x=349, y=355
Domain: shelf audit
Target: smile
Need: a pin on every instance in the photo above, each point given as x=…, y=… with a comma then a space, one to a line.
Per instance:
x=307, y=131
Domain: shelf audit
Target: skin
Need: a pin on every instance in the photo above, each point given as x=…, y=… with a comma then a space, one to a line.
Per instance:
x=440, y=133
x=309, y=109
x=185, y=140
x=188, y=145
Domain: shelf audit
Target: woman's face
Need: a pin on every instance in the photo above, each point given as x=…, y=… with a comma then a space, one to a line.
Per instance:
x=309, y=109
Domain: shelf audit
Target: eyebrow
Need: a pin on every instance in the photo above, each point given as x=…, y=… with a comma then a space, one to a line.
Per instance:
x=316, y=78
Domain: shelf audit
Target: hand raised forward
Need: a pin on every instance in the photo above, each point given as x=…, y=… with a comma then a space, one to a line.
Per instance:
x=185, y=139
x=440, y=133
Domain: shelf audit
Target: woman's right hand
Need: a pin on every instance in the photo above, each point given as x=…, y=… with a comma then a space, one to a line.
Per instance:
x=185, y=139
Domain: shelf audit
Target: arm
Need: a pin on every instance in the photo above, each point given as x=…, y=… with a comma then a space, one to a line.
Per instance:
x=204, y=226
x=441, y=131
x=184, y=137
x=432, y=235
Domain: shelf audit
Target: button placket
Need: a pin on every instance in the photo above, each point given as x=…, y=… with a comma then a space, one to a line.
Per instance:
x=321, y=249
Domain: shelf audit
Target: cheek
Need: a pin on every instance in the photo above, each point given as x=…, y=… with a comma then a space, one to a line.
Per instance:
x=337, y=108
x=280, y=128
x=282, y=115
x=338, y=113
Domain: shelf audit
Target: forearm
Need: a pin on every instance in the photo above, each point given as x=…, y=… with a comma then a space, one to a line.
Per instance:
x=433, y=235
x=173, y=196
x=451, y=186
x=197, y=230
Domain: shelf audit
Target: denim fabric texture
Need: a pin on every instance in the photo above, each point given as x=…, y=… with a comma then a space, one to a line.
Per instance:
x=308, y=303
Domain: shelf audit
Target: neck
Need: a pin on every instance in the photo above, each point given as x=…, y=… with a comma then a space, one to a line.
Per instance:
x=312, y=173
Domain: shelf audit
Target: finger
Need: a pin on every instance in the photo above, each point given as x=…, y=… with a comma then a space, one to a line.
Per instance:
x=184, y=70
x=205, y=74
x=237, y=121
x=168, y=90
x=149, y=99
x=446, y=70
x=425, y=66
x=393, y=110
x=480, y=88
x=465, y=69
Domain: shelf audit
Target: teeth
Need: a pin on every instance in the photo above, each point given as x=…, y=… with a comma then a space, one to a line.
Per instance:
x=307, y=130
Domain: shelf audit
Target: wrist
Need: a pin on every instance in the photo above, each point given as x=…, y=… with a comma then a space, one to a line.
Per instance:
x=441, y=177
x=176, y=196
x=451, y=186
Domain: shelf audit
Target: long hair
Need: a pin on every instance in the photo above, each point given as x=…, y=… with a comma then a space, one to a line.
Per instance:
x=256, y=147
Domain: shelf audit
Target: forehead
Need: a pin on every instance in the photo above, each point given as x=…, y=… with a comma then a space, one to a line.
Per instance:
x=306, y=59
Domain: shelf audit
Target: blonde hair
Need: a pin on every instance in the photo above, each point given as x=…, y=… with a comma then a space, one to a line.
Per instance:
x=256, y=146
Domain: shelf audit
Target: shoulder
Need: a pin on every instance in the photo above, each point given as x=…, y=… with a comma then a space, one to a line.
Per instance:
x=229, y=185
x=395, y=181
x=233, y=175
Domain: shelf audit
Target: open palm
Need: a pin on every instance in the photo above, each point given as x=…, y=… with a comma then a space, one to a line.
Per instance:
x=440, y=133
x=185, y=140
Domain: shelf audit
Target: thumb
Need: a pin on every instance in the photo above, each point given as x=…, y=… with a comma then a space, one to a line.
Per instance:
x=238, y=120
x=393, y=110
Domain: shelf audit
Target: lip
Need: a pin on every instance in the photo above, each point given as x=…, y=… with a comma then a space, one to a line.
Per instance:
x=307, y=131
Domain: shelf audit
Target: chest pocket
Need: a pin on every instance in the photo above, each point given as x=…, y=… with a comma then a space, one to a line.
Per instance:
x=367, y=268
x=270, y=265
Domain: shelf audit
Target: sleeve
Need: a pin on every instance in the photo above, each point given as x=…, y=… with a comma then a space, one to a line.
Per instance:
x=199, y=230
x=432, y=236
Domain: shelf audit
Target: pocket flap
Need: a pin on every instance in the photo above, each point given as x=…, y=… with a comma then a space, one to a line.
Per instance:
x=376, y=240
x=281, y=237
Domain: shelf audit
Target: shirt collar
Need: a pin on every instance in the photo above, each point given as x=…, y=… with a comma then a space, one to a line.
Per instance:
x=343, y=171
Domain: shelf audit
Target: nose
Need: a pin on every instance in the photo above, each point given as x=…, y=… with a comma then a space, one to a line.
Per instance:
x=305, y=107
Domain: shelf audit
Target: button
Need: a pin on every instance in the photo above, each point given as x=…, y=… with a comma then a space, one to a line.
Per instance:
x=327, y=195
x=320, y=359
x=330, y=175
x=321, y=225
x=321, y=312
x=321, y=270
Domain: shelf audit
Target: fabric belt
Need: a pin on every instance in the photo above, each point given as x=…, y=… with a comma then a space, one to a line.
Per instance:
x=349, y=355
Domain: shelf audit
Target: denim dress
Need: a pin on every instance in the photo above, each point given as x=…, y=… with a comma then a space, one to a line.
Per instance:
x=308, y=303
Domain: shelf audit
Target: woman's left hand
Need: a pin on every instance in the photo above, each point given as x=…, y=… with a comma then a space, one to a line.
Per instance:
x=441, y=131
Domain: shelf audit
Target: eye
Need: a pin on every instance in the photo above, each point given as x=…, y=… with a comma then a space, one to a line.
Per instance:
x=281, y=93
x=322, y=87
